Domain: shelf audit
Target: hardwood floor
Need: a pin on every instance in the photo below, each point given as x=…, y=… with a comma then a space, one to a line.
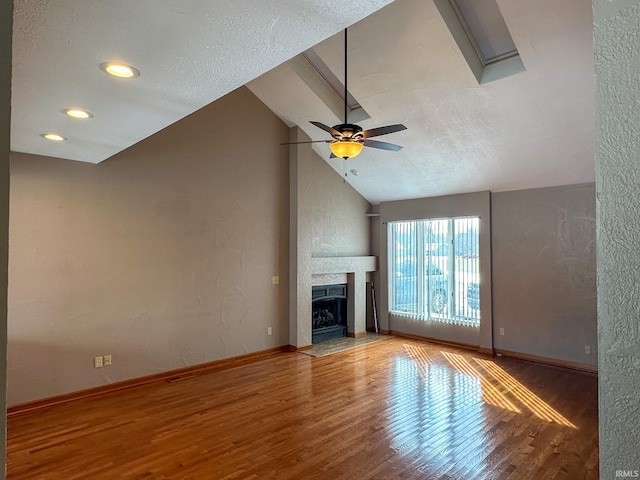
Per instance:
x=395, y=409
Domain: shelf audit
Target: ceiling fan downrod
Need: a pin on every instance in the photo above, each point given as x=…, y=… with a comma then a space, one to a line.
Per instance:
x=345, y=76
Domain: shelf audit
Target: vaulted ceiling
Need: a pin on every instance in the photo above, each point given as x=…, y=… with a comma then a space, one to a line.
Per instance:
x=531, y=129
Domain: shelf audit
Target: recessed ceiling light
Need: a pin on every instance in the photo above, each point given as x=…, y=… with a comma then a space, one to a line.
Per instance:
x=78, y=113
x=54, y=137
x=354, y=172
x=120, y=70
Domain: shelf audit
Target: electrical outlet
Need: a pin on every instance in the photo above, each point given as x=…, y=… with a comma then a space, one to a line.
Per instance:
x=107, y=360
x=587, y=349
x=502, y=331
x=97, y=362
x=269, y=331
x=275, y=280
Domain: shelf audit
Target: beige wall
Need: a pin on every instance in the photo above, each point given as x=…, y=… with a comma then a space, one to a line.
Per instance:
x=544, y=272
x=339, y=227
x=161, y=256
x=6, y=16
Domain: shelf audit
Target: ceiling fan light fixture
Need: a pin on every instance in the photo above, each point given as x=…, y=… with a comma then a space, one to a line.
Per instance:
x=346, y=148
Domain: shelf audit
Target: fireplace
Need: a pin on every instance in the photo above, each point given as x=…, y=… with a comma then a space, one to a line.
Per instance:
x=329, y=312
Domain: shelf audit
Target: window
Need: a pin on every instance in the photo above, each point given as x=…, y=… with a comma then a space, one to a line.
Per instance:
x=434, y=270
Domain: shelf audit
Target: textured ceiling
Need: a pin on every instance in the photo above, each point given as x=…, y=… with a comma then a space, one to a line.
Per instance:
x=533, y=129
x=189, y=53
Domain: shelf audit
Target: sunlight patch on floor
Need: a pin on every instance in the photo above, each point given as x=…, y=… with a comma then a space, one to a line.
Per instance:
x=540, y=408
x=490, y=393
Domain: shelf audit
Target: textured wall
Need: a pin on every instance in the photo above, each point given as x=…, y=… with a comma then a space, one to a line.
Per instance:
x=6, y=11
x=544, y=272
x=617, y=60
x=161, y=256
x=340, y=227
x=300, y=227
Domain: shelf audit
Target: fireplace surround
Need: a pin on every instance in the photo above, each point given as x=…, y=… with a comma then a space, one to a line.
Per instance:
x=310, y=271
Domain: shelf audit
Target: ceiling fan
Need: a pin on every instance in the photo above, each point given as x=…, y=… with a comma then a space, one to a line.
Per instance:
x=349, y=139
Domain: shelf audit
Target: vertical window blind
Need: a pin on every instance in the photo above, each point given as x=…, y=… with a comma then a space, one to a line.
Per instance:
x=434, y=270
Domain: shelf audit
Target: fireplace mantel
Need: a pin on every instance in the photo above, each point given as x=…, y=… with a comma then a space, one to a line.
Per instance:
x=327, y=265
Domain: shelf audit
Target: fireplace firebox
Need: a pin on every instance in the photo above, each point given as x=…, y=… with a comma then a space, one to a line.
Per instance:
x=329, y=312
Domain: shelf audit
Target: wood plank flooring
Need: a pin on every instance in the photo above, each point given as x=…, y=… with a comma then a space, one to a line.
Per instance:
x=396, y=409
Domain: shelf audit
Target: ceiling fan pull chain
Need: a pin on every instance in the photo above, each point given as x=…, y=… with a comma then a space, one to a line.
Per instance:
x=344, y=170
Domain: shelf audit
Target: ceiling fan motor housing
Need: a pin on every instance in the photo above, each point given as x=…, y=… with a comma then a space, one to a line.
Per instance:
x=348, y=130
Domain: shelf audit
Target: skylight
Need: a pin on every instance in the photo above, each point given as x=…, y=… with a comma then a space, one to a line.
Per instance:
x=482, y=36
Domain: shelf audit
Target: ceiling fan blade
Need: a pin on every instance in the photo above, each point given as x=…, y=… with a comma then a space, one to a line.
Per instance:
x=312, y=141
x=382, y=145
x=326, y=128
x=332, y=155
x=374, y=132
